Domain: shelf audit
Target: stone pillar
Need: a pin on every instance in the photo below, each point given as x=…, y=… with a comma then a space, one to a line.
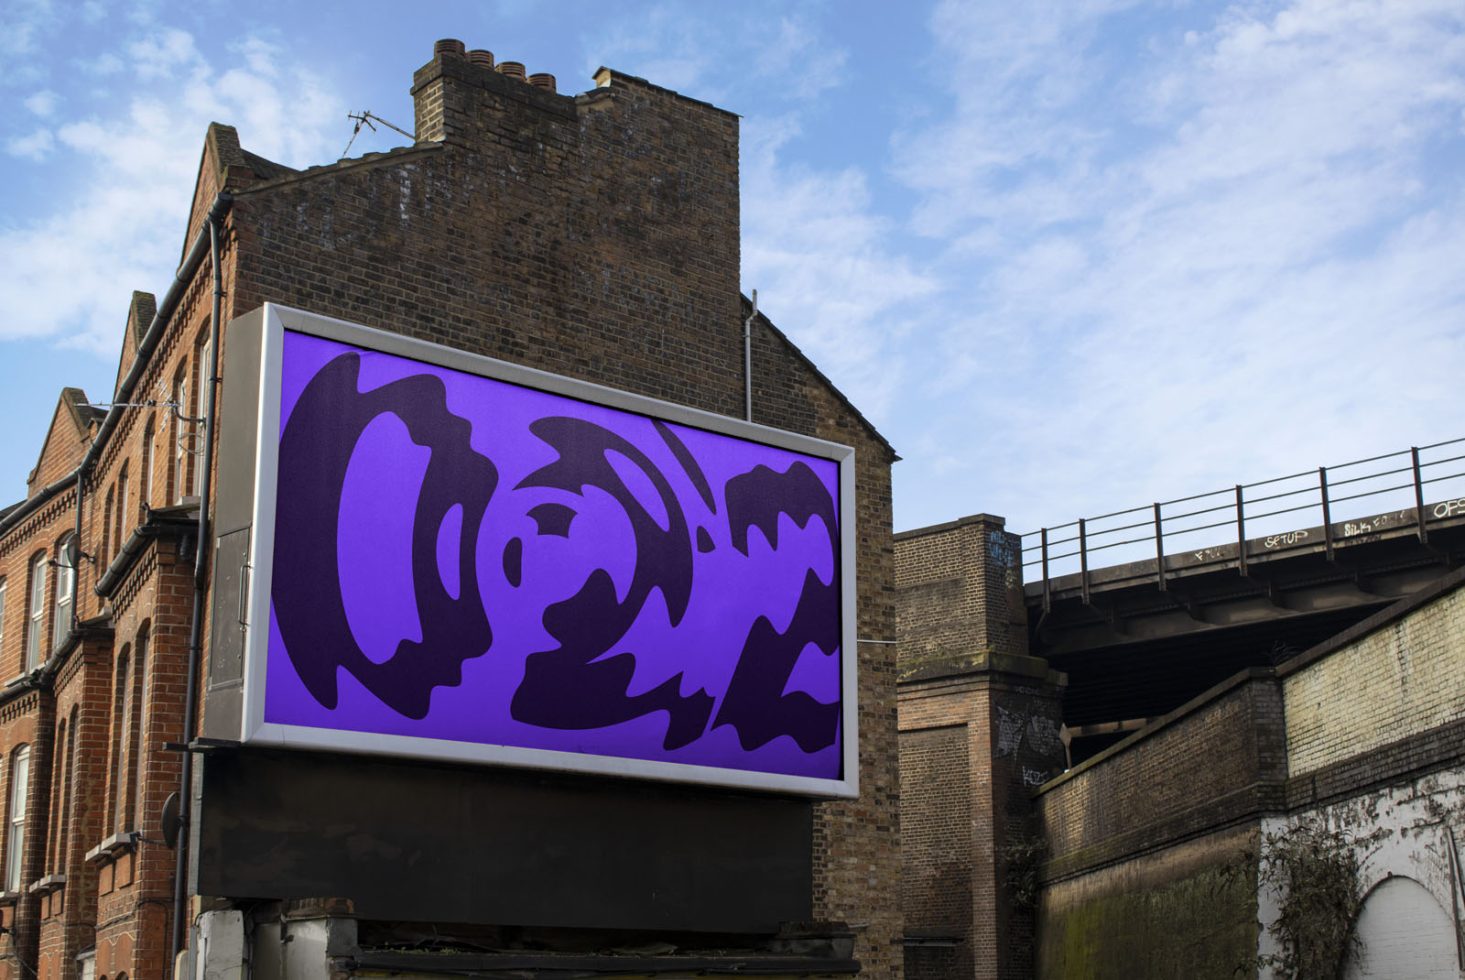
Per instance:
x=979, y=722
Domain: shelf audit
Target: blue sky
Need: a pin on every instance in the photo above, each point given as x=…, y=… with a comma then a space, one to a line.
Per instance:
x=1069, y=256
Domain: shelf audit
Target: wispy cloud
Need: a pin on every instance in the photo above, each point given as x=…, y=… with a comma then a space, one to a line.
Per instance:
x=814, y=245
x=67, y=273
x=43, y=103
x=34, y=146
x=716, y=52
x=1208, y=262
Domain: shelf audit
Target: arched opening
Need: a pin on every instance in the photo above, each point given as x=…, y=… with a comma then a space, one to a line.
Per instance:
x=1405, y=933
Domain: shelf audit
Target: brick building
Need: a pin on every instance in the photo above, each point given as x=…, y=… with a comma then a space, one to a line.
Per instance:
x=1163, y=854
x=594, y=236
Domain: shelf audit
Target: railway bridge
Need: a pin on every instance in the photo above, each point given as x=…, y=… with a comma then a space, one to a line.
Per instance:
x=1146, y=608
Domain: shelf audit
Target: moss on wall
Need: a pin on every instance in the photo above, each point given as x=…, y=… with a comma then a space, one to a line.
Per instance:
x=1190, y=914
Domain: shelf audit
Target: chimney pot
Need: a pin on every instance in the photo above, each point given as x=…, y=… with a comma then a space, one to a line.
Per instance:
x=448, y=45
x=542, y=80
x=513, y=69
x=481, y=58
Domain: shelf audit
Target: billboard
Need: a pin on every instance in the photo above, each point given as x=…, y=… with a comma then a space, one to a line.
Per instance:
x=458, y=558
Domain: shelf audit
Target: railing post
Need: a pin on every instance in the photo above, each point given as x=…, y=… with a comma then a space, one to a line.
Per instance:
x=1047, y=589
x=1240, y=531
x=1159, y=548
x=1083, y=559
x=1322, y=482
x=1419, y=497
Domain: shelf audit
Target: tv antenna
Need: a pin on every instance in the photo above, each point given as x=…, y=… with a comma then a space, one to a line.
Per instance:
x=366, y=118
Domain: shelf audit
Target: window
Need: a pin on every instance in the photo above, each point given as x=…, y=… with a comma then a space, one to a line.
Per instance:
x=145, y=488
x=2, y=614
x=106, y=549
x=200, y=379
x=59, y=789
x=128, y=807
x=20, y=776
x=122, y=525
x=37, y=618
x=121, y=736
x=65, y=589
x=180, y=435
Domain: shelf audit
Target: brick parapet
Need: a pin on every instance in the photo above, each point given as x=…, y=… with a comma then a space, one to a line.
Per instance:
x=1401, y=676
x=1149, y=791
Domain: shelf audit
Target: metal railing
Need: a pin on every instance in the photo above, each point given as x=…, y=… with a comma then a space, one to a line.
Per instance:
x=1389, y=496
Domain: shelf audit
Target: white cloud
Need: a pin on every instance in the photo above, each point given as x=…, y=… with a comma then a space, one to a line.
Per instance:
x=799, y=55
x=25, y=20
x=1219, y=260
x=711, y=53
x=68, y=273
x=163, y=54
x=43, y=103
x=815, y=250
x=36, y=146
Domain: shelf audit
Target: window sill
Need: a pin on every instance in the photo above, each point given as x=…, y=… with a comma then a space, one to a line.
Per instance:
x=112, y=847
x=9, y=898
x=47, y=885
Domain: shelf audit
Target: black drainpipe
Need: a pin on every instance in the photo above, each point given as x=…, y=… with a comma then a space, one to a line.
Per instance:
x=200, y=584
x=74, y=553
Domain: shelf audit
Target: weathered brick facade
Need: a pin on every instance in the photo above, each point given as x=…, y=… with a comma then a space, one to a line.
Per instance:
x=595, y=236
x=1154, y=843
x=979, y=724
x=1144, y=859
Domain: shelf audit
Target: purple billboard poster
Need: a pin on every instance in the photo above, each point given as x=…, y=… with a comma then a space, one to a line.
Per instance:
x=471, y=560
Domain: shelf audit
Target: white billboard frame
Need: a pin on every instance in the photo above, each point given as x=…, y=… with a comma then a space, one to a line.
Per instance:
x=257, y=731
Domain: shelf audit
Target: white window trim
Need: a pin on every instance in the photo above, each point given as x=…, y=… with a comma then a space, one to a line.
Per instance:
x=15, y=827
x=35, y=613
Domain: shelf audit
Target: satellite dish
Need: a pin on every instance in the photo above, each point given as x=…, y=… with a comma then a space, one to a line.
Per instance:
x=171, y=820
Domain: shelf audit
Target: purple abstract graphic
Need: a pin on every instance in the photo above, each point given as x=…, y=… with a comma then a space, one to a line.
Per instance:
x=465, y=559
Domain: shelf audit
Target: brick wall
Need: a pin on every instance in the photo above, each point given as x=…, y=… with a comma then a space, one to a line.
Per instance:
x=960, y=591
x=1190, y=911
x=1400, y=679
x=1216, y=761
x=979, y=726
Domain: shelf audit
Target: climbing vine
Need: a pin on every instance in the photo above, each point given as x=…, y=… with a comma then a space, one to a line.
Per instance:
x=1315, y=870
x=1023, y=860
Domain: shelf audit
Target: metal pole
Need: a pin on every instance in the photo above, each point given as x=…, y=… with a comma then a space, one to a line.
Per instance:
x=1322, y=482
x=1240, y=531
x=1419, y=497
x=1083, y=558
x=1047, y=590
x=1159, y=548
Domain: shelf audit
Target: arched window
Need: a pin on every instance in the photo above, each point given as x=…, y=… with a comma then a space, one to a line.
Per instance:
x=65, y=589
x=180, y=434
x=57, y=810
x=20, y=777
x=121, y=736
x=104, y=552
x=36, y=614
x=131, y=802
x=124, y=524
x=145, y=477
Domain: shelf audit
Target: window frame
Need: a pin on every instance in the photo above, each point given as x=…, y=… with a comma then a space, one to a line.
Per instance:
x=117, y=781
x=179, y=477
x=35, y=614
x=17, y=799
x=63, y=603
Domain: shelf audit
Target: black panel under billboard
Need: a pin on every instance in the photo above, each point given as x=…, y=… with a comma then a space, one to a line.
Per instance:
x=429, y=842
